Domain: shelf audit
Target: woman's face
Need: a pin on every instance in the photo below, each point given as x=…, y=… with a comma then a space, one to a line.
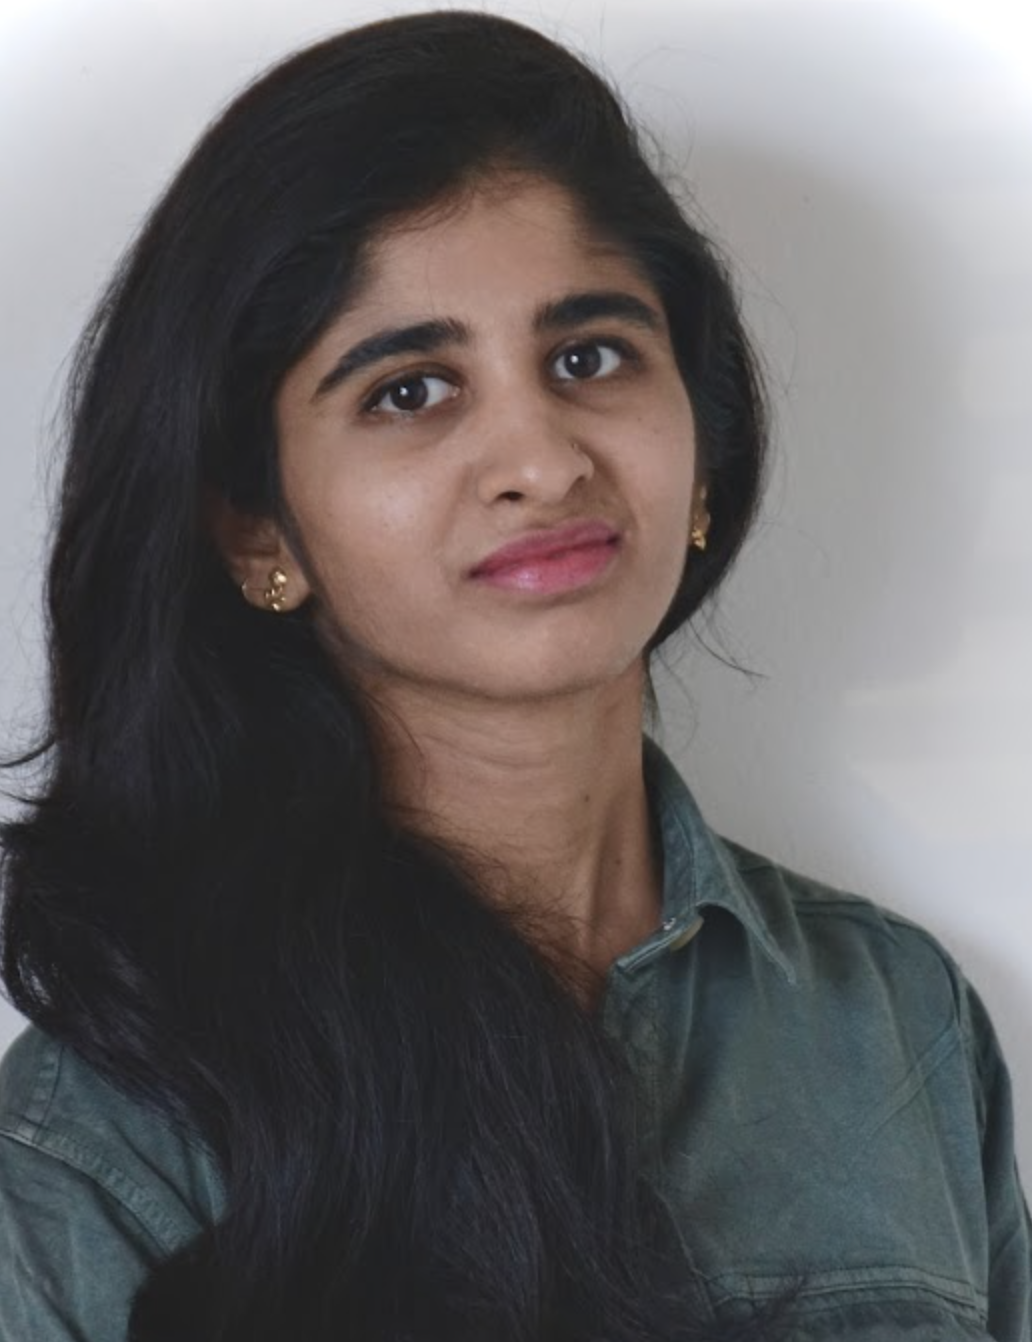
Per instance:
x=488, y=458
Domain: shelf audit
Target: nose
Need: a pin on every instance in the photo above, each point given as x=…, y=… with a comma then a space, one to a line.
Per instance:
x=532, y=458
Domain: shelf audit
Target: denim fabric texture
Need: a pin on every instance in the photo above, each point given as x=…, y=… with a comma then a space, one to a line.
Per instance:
x=823, y=1109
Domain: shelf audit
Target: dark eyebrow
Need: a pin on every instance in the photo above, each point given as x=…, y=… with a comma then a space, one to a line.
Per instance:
x=421, y=338
x=427, y=337
x=576, y=309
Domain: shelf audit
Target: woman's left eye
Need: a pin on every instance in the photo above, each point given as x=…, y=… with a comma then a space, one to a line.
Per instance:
x=592, y=359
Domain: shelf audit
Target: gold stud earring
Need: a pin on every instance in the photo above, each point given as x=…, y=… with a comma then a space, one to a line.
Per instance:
x=700, y=522
x=273, y=594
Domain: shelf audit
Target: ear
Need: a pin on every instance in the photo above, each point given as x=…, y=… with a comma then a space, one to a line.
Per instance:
x=258, y=558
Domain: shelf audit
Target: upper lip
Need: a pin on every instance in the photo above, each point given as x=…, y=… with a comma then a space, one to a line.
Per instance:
x=545, y=543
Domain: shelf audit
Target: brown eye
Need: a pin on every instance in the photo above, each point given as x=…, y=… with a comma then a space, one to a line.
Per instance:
x=408, y=395
x=589, y=360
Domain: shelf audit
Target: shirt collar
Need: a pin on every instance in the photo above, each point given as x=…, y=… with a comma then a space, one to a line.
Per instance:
x=699, y=872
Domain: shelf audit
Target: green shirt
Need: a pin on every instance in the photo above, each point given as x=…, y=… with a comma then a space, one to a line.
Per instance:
x=823, y=1101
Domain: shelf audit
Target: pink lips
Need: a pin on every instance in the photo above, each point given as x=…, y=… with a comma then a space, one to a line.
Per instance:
x=556, y=560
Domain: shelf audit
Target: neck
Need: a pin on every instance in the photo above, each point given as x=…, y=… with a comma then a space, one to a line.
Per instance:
x=544, y=800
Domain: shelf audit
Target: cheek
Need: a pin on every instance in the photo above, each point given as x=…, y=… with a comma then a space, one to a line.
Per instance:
x=665, y=473
x=364, y=532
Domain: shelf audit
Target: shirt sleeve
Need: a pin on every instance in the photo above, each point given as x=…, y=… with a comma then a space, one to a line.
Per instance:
x=1009, y=1229
x=71, y=1255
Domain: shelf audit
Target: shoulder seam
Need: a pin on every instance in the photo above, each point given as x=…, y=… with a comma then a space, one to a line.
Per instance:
x=133, y=1199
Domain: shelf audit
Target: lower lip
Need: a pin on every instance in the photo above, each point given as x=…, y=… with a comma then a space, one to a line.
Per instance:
x=563, y=572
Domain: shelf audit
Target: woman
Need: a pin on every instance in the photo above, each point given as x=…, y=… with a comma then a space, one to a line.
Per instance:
x=382, y=985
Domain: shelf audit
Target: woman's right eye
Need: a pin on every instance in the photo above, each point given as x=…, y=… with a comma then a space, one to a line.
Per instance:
x=410, y=394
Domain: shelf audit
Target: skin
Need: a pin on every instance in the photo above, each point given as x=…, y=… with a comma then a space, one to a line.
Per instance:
x=510, y=721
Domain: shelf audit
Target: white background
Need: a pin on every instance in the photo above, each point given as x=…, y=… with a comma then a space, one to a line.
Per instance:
x=869, y=167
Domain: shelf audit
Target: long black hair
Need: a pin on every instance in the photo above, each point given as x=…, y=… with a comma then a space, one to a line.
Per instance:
x=421, y=1130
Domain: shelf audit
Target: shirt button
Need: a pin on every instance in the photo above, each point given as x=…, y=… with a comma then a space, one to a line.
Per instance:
x=669, y=924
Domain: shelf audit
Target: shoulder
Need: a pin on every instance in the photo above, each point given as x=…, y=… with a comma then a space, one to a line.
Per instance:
x=848, y=1039
x=886, y=983
x=94, y=1192
x=60, y=1122
x=823, y=930
x=807, y=933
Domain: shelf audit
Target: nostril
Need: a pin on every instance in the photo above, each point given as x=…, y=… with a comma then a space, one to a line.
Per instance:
x=511, y=495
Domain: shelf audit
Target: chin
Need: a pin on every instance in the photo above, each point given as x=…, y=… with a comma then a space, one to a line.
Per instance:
x=562, y=675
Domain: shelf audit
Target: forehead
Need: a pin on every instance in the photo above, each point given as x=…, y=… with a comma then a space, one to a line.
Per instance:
x=508, y=240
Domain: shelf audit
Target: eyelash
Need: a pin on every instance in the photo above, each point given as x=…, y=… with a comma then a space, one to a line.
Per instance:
x=374, y=401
